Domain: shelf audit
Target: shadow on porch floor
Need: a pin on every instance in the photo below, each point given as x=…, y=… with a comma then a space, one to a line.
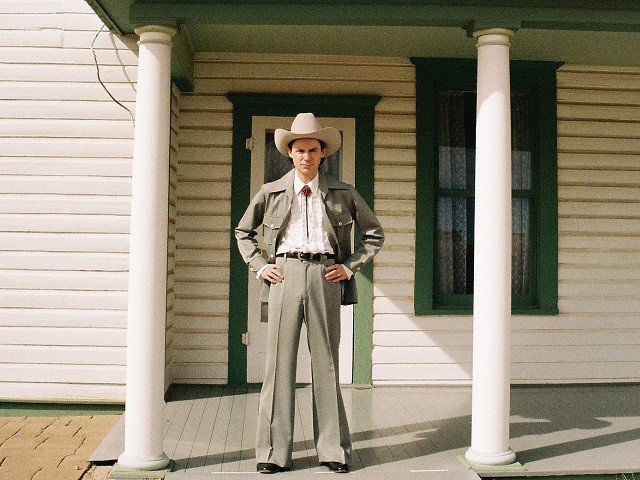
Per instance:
x=408, y=432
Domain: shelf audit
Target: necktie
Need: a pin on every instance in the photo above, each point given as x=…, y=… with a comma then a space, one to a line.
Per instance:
x=306, y=192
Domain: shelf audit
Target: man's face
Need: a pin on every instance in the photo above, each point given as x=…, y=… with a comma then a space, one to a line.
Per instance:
x=306, y=154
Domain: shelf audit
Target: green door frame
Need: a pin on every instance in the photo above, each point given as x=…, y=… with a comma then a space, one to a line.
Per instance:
x=245, y=106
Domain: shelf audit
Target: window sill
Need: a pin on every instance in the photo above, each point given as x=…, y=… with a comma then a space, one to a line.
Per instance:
x=466, y=311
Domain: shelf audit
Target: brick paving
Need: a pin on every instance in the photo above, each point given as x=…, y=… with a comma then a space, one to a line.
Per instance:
x=52, y=448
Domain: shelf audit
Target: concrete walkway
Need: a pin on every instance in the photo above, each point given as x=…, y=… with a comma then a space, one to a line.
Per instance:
x=52, y=447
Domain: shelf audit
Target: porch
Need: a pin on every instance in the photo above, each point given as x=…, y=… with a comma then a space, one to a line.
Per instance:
x=407, y=432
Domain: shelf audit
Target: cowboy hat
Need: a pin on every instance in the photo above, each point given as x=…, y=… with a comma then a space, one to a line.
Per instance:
x=306, y=125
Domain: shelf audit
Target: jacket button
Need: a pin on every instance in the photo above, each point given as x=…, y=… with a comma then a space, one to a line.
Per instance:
x=340, y=223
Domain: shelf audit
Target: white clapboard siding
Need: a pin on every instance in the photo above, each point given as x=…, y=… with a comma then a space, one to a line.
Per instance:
x=53, y=128
x=92, y=92
x=598, y=224
x=67, y=336
x=64, y=318
x=597, y=334
x=171, y=250
x=599, y=242
x=65, y=168
x=62, y=280
x=202, y=239
x=64, y=110
x=79, y=74
x=204, y=173
x=67, y=355
x=41, y=372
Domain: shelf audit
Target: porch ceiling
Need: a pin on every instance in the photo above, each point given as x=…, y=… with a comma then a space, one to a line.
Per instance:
x=606, y=33
x=572, y=46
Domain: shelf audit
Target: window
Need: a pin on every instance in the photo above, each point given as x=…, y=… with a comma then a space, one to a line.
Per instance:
x=445, y=175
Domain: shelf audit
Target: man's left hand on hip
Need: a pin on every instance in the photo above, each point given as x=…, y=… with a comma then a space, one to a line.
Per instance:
x=336, y=273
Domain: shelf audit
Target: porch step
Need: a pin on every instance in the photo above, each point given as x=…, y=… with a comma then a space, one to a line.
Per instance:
x=375, y=472
x=111, y=447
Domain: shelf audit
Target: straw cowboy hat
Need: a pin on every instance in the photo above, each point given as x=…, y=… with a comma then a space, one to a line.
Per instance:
x=306, y=125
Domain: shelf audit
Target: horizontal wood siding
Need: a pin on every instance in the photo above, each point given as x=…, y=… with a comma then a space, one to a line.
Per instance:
x=65, y=167
x=599, y=228
x=202, y=239
x=597, y=334
x=204, y=173
x=592, y=340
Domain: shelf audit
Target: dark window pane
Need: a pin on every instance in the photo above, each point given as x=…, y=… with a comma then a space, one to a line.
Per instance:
x=456, y=140
x=520, y=246
x=520, y=142
x=456, y=170
x=454, y=246
x=456, y=133
x=275, y=164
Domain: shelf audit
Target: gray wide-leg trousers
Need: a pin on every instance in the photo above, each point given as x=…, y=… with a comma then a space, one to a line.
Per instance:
x=304, y=295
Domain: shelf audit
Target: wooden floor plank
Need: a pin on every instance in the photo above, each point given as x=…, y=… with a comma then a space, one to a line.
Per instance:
x=247, y=460
x=363, y=427
x=415, y=432
x=304, y=453
x=233, y=442
x=176, y=413
x=391, y=430
x=185, y=443
x=215, y=452
x=381, y=429
x=198, y=457
x=418, y=443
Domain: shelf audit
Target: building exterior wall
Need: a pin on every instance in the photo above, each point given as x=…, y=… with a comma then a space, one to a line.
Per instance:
x=595, y=337
x=596, y=334
x=203, y=228
x=65, y=166
x=65, y=186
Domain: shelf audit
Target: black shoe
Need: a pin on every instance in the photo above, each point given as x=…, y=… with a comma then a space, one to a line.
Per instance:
x=270, y=468
x=336, y=466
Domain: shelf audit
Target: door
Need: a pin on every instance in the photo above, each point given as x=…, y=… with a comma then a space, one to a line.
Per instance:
x=267, y=164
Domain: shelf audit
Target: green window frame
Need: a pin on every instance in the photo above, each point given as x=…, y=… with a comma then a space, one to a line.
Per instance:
x=538, y=79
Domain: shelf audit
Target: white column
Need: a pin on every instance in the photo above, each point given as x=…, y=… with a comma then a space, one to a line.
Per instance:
x=144, y=404
x=492, y=254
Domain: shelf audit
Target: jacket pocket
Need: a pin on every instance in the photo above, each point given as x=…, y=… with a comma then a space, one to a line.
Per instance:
x=342, y=224
x=271, y=227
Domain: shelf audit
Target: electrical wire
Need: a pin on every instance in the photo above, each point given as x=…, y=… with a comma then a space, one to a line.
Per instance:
x=95, y=60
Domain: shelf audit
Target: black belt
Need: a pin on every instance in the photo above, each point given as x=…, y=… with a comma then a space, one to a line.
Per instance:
x=306, y=256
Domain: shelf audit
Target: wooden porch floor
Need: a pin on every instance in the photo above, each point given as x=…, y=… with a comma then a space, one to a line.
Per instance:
x=412, y=432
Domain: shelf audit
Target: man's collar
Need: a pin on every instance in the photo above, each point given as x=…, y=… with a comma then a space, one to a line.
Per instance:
x=298, y=184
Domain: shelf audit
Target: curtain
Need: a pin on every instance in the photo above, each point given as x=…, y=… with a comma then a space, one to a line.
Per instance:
x=455, y=171
x=520, y=180
x=456, y=181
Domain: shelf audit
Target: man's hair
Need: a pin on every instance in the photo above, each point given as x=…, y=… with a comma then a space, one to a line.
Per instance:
x=323, y=145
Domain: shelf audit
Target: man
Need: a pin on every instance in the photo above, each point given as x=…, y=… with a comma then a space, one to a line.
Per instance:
x=307, y=272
